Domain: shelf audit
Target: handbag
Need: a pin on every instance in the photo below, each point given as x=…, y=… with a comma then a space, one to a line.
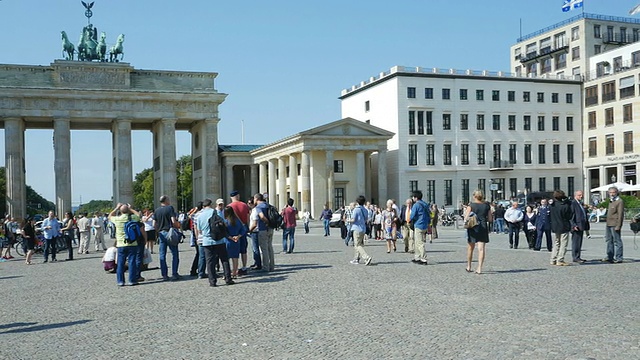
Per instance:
x=174, y=237
x=471, y=221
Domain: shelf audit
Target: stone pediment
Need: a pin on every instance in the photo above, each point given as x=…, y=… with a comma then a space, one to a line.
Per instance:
x=348, y=127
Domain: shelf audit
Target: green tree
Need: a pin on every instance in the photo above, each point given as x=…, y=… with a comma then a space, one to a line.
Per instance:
x=36, y=204
x=184, y=172
x=143, y=189
x=96, y=206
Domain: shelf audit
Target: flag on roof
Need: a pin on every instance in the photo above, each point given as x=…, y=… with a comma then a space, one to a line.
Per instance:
x=571, y=4
x=635, y=10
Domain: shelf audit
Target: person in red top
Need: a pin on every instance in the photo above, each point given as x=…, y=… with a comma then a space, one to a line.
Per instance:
x=289, y=215
x=242, y=212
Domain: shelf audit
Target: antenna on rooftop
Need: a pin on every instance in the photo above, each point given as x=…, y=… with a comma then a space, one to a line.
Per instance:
x=242, y=130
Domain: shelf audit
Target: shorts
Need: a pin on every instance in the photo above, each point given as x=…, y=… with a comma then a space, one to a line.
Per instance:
x=151, y=235
x=243, y=244
x=109, y=265
x=31, y=243
x=233, y=248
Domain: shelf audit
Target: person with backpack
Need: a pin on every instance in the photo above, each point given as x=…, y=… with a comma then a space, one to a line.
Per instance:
x=126, y=223
x=421, y=219
x=265, y=231
x=359, y=227
x=289, y=215
x=213, y=231
x=235, y=231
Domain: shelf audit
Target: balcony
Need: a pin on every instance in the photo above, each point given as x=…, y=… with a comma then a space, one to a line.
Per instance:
x=591, y=100
x=610, y=96
x=547, y=51
x=500, y=165
x=616, y=39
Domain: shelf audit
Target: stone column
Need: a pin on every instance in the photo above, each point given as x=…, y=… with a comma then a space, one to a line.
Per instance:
x=253, y=188
x=264, y=177
x=228, y=181
x=14, y=167
x=62, y=164
x=382, y=175
x=330, y=178
x=164, y=159
x=305, y=178
x=122, y=161
x=282, y=183
x=293, y=179
x=210, y=161
x=272, y=181
x=360, y=179
x=367, y=175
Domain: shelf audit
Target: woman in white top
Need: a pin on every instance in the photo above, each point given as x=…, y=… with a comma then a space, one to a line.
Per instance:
x=147, y=219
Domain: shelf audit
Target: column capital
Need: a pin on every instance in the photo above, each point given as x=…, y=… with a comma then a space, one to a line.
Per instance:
x=61, y=119
x=169, y=121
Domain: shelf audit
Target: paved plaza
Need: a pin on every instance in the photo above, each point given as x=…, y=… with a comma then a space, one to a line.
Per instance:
x=318, y=306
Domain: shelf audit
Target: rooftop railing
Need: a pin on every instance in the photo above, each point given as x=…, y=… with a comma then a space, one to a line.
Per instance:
x=576, y=18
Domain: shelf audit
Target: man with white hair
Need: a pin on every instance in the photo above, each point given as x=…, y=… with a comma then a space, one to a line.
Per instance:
x=615, y=218
x=513, y=216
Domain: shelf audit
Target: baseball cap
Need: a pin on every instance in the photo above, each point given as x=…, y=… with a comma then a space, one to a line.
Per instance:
x=234, y=193
x=219, y=201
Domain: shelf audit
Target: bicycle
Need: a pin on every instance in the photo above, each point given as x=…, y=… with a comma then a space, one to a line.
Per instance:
x=21, y=245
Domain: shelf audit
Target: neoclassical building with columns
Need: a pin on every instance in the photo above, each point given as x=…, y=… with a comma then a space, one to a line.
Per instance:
x=330, y=164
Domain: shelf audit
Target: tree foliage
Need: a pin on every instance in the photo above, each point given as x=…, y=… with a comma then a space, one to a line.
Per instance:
x=36, y=204
x=143, y=189
x=184, y=171
x=143, y=186
x=96, y=206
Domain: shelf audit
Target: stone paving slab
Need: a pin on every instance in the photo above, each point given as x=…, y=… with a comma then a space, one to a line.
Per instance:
x=318, y=306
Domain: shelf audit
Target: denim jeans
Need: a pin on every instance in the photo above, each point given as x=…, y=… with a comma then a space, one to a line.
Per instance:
x=499, y=225
x=257, y=260
x=50, y=247
x=162, y=236
x=288, y=233
x=349, y=235
x=614, y=244
x=306, y=228
x=127, y=254
x=140, y=256
x=202, y=262
x=325, y=223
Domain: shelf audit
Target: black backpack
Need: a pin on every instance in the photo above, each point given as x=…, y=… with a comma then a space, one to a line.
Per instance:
x=217, y=227
x=132, y=231
x=274, y=218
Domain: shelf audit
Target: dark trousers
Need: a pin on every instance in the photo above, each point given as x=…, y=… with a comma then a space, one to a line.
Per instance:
x=514, y=234
x=257, y=260
x=576, y=244
x=50, y=247
x=68, y=240
x=194, y=264
x=547, y=233
x=213, y=254
x=140, y=256
x=531, y=237
x=306, y=228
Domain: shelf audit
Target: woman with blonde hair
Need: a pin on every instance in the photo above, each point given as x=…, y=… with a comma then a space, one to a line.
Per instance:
x=389, y=221
x=479, y=234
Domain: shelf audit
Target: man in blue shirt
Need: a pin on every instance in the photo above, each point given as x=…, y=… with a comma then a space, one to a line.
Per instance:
x=359, y=218
x=421, y=218
x=51, y=231
x=265, y=234
x=214, y=249
x=543, y=225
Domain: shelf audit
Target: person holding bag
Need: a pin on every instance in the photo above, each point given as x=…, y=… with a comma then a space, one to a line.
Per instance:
x=479, y=234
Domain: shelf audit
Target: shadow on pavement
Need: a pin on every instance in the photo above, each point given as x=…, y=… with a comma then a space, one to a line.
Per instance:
x=314, y=252
x=10, y=277
x=514, y=271
x=17, y=324
x=45, y=327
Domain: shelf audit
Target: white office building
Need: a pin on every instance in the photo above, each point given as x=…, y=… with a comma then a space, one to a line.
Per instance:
x=457, y=131
x=611, y=133
x=564, y=49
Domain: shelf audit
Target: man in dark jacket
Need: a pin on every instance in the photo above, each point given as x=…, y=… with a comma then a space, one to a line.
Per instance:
x=561, y=215
x=543, y=225
x=407, y=232
x=579, y=224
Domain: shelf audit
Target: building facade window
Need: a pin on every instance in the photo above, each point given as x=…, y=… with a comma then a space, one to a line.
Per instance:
x=554, y=98
x=608, y=116
x=413, y=154
x=411, y=92
x=412, y=122
x=569, y=98
x=556, y=184
x=570, y=159
x=511, y=95
x=420, y=123
x=413, y=185
x=338, y=198
x=446, y=154
x=540, y=97
x=464, y=154
x=540, y=123
x=446, y=121
x=464, y=121
x=542, y=184
x=431, y=191
x=428, y=93
x=446, y=94
x=429, y=122
x=628, y=141
x=527, y=153
x=609, y=91
x=571, y=186
x=556, y=153
x=541, y=154
x=465, y=191
x=482, y=185
x=593, y=147
x=597, y=49
x=496, y=122
x=480, y=122
x=526, y=122
x=367, y=106
x=512, y=122
x=528, y=184
x=526, y=96
x=448, y=192
x=591, y=96
x=610, y=144
x=338, y=166
x=591, y=120
x=575, y=53
x=463, y=94
x=513, y=187
x=569, y=123
x=495, y=95
x=481, y=154
x=596, y=31
x=431, y=154
x=512, y=153
x=480, y=95
x=575, y=33
x=555, y=123
x=627, y=113
x=497, y=154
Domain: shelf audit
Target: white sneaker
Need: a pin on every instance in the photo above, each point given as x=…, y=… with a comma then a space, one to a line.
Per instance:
x=368, y=261
x=354, y=262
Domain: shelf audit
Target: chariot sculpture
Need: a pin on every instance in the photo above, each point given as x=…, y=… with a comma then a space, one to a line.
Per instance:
x=90, y=47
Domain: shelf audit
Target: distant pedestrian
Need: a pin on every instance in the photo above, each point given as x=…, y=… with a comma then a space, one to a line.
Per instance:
x=84, y=228
x=29, y=236
x=51, y=232
x=479, y=235
x=306, y=216
x=561, y=215
x=359, y=223
x=215, y=249
x=405, y=223
x=127, y=251
x=513, y=216
x=98, y=227
x=68, y=228
x=579, y=224
x=615, y=218
x=253, y=232
x=543, y=225
x=421, y=218
x=235, y=231
x=147, y=219
x=289, y=215
x=242, y=212
x=326, y=218
x=390, y=219
x=165, y=219
x=265, y=233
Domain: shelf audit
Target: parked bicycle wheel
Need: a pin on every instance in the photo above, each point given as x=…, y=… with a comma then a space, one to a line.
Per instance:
x=61, y=244
x=20, y=246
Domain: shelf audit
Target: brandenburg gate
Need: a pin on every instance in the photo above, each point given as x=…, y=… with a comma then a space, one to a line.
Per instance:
x=85, y=95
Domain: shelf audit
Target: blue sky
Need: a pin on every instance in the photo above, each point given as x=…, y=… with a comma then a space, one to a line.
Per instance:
x=283, y=63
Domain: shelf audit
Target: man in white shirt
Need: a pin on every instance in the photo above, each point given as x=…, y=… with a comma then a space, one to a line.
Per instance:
x=97, y=225
x=513, y=216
